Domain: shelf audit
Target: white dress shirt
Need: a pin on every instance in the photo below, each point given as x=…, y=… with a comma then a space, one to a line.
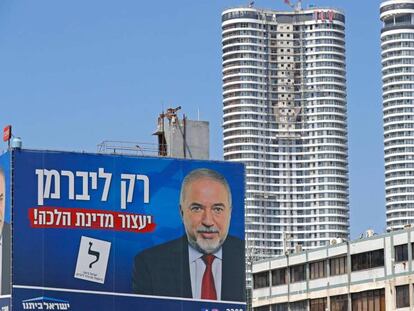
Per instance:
x=197, y=268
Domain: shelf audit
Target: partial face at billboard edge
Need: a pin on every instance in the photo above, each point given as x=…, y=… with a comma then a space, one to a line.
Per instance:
x=2, y=199
x=206, y=214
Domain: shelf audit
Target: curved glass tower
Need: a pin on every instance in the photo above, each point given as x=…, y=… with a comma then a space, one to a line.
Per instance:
x=285, y=117
x=397, y=44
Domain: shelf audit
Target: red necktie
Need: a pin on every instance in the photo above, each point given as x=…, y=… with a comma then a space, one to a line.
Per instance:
x=208, y=289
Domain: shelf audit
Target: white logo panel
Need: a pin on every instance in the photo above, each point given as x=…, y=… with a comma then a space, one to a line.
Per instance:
x=92, y=260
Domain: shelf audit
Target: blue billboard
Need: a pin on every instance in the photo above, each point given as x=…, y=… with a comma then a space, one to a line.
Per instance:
x=111, y=232
x=5, y=232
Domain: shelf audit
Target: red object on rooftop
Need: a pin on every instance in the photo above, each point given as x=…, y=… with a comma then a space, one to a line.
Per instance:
x=7, y=133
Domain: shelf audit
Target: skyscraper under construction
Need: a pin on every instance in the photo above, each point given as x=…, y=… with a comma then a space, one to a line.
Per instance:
x=285, y=117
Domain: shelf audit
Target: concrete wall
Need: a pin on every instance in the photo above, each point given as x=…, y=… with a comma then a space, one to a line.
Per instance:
x=197, y=135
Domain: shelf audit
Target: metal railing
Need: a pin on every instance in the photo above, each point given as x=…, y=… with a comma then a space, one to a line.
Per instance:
x=128, y=148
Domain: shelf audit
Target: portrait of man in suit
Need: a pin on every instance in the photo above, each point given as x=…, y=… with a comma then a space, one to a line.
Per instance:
x=206, y=262
x=4, y=240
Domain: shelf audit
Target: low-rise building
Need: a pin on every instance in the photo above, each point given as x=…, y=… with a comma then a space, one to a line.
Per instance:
x=374, y=273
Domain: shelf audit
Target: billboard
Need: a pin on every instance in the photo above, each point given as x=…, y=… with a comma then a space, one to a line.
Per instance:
x=5, y=232
x=111, y=232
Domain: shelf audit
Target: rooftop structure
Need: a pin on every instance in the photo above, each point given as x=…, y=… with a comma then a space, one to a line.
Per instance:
x=178, y=137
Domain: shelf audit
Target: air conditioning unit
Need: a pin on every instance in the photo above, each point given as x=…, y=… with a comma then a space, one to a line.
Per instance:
x=298, y=248
x=407, y=226
x=336, y=241
x=369, y=233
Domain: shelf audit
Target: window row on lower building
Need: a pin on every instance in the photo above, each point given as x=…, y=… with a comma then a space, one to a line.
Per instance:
x=319, y=269
x=372, y=300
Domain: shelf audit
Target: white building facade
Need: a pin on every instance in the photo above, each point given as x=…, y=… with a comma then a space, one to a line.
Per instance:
x=285, y=117
x=397, y=43
x=370, y=274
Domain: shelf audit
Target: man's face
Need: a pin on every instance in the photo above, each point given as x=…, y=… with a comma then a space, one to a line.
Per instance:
x=2, y=199
x=206, y=214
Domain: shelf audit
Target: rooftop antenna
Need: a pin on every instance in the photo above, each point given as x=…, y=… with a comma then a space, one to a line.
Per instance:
x=251, y=4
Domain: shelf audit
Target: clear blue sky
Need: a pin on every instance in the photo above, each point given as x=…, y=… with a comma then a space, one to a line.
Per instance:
x=74, y=73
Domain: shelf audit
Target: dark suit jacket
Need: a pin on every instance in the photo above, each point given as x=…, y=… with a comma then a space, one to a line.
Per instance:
x=5, y=261
x=164, y=270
